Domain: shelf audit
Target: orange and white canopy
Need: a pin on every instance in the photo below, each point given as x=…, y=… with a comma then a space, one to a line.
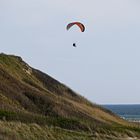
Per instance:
x=80, y=25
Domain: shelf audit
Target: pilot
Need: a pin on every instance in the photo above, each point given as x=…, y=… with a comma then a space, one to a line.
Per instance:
x=74, y=44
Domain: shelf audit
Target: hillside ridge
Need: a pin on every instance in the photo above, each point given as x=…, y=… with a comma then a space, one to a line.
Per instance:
x=28, y=96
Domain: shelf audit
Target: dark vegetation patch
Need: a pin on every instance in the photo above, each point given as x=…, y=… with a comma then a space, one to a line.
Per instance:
x=71, y=124
x=42, y=102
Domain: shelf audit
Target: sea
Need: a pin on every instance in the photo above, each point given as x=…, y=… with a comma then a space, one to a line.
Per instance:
x=128, y=112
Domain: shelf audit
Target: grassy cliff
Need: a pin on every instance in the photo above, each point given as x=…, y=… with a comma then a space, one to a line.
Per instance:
x=33, y=105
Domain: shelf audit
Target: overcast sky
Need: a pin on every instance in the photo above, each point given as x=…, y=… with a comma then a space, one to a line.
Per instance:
x=105, y=66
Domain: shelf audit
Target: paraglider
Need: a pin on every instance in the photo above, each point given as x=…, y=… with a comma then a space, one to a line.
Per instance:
x=80, y=25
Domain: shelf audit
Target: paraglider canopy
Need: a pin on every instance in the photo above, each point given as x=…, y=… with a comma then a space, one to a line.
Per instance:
x=80, y=25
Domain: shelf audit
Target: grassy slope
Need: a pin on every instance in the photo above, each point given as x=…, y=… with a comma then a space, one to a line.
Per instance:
x=29, y=97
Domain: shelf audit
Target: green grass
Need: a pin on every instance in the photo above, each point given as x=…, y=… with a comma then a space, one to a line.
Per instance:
x=71, y=124
x=34, y=131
